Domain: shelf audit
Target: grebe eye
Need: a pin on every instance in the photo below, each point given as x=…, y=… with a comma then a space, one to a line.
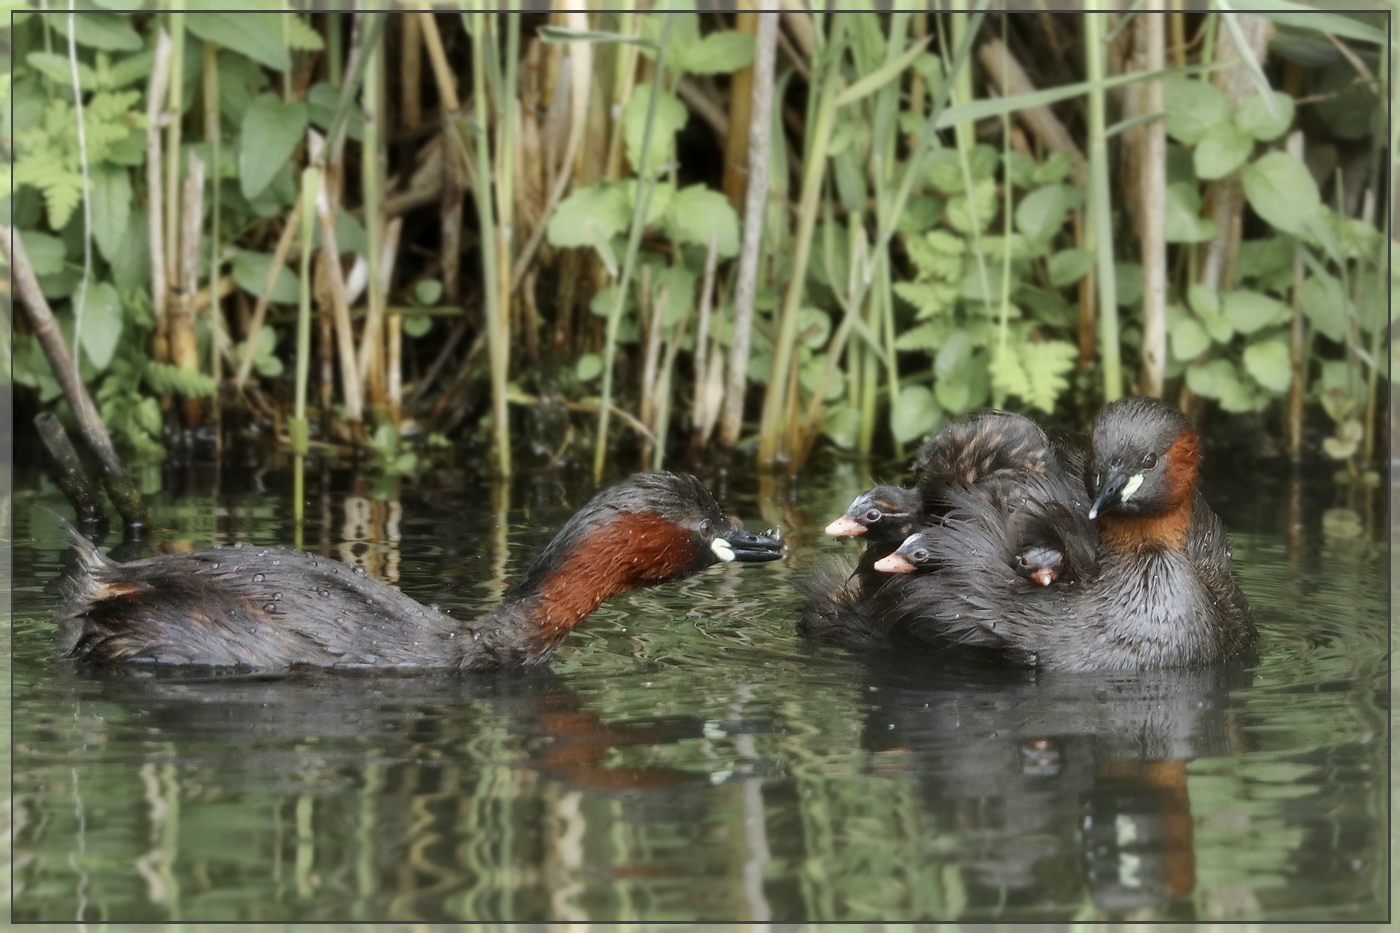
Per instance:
x=1149, y=461
x=874, y=515
x=705, y=528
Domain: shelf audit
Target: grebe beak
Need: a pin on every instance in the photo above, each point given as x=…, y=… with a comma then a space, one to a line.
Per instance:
x=1114, y=483
x=845, y=527
x=746, y=547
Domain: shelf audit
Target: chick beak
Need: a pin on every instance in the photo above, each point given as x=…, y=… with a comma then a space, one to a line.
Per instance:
x=845, y=527
x=894, y=563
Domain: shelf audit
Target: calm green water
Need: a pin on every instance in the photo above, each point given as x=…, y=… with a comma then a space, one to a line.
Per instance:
x=688, y=757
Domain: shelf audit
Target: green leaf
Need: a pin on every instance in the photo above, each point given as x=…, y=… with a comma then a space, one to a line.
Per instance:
x=271, y=131
x=1193, y=107
x=1188, y=338
x=1041, y=213
x=1129, y=278
x=1047, y=364
x=1325, y=305
x=1183, y=223
x=589, y=216
x=300, y=34
x=1206, y=303
x=101, y=323
x=842, y=425
x=1268, y=362
x=427, y=292
x=111, y=208
x=250, y=271
x=1253, y=117
x=892, y=70
x=416, y=325
x=588, y=367
x=256, y=35
x=1069, y=266
x=56, y=68
x=1250, y=311
x=1218, y=379
x=1008, y=375
x=955, y=351
x=914, y=414
x=717, y=53
x=697, y=213
x=966, y=385
x=670, y=118
x=1222, y=149
x=1282, y=191
x=322, y=101
x=928, y=336
x=106, y=31
x=45, y=252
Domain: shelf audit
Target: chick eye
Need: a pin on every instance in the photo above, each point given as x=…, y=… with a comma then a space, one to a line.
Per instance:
x=874, y=515
x=705, y=528
x=921, y=555
x=1149, y=461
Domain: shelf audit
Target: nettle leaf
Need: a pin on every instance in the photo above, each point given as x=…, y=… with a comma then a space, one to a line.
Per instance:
x=1184, y=223
x=1269, y=363
x=966, y=386
x=1282, y=191
x=45, y=252
x=111, y=208
x=670, y=118
x=250, y=272
x=300, y=34
x=1047, y=364
x=1218, y=379
x=1253, y=117
x=271, y=131
x=1221, y=150
x=588, y=216
x=255, y=35
x=914, y=413
x=717, y=53
x=696, y=213
x=1325, y=305
x=1250, y=311
x=101, y=323
x=1193, y=107
x=842, y=425
x=1187, y=337
x=57, y=69
x=1041, y=214
x=105, y=31
x=1069, y=266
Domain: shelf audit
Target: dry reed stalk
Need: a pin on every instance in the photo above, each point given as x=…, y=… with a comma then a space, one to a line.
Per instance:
x=339, y=308
x=156, y=92
x=736, y=140
x=704, y=408
x=760, y=138
x=184, y=348
x=1150, y=41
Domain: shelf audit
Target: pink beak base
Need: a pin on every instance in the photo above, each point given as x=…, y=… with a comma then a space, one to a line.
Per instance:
x=894, y=563
x=845, y=527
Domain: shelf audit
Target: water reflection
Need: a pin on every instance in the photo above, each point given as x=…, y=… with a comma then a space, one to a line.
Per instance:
x=688, y=757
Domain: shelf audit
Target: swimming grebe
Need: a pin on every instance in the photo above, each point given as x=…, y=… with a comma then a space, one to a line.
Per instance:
x=265, y=608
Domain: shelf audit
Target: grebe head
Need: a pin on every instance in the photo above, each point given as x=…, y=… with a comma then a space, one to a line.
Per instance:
x=1143, y=460
x=883, y=505
x=651, y=528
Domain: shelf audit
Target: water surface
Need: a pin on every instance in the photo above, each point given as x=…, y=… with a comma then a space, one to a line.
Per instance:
x=688, y=757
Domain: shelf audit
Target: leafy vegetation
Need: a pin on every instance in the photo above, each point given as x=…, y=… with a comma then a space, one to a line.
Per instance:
x=924, y=250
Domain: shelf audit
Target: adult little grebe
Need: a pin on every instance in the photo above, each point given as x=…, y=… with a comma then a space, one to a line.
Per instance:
x=273, y=609
x=1146, y=585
